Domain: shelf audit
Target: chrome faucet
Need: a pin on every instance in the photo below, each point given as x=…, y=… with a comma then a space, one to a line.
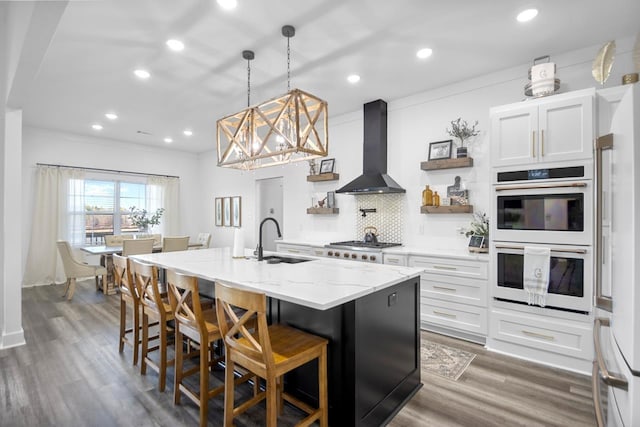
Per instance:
x=260, y=238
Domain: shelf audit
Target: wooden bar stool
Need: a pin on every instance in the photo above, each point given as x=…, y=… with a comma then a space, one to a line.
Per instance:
x=128, y=298
x=145, y=277
x=269, y=352
x=199, y=325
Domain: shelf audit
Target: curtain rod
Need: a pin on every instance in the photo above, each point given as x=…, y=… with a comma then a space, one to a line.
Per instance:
x=107, y=170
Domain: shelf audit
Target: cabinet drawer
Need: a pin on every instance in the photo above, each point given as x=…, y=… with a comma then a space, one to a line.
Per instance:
x=394, y=259
x=317, y=250
x=455, y=289
x=564, y=337
x=448, y=314
x=451, y=267
x=294, y=249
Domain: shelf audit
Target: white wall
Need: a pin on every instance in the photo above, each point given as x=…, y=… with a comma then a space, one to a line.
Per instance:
x=45, y=146
x=413, y=122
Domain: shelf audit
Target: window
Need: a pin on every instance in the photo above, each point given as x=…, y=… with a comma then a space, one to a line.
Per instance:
x=107, y=207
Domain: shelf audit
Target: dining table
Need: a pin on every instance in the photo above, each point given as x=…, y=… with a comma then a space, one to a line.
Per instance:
x=106, y=260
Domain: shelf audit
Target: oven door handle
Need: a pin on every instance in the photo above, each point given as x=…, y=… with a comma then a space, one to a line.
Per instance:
x=521, y=248
x=612, y=379
x=603, y=143
x=541, y=186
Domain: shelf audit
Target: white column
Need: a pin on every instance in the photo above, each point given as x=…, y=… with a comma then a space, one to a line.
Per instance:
x=11, y=252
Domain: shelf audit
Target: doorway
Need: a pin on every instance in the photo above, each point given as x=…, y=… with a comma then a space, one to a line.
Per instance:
x=270, y=197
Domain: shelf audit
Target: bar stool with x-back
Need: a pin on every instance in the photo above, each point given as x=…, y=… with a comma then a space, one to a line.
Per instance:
x=269, y=352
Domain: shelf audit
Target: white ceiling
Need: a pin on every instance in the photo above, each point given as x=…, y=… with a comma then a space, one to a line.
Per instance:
x=87, y=70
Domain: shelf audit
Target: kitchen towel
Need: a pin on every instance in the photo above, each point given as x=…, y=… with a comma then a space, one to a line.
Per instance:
x=535, y=274
x=238, y=243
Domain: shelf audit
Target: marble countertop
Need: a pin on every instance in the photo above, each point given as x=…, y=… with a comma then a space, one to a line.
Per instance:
x=321, y=283
x=435, y=251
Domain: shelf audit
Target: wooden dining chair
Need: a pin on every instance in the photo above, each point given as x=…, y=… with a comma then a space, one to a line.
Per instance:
x=157, y=309
x=137, y=246
x=269, y=352
x=129, y=298
x=74, y=269
x=173, y=244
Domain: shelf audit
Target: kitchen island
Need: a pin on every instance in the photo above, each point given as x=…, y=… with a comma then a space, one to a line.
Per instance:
x=368, y=312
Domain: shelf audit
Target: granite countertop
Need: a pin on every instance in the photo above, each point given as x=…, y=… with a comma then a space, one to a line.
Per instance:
x=321, y=283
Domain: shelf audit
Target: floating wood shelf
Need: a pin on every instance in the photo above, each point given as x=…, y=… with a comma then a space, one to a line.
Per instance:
x=323, y=177
x=447, y=209
x=462, y=162
x=323, y=211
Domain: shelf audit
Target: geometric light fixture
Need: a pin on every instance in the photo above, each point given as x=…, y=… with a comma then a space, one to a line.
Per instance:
x=289, y=128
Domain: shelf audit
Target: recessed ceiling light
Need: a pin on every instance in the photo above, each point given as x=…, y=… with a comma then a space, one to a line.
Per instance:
x=187, y=132
x=228, y=4
x=168, y=140
x=527, y=15
x=353, y=78
x=143, y=74
x=175, y=45
x=111, y=116
x=424, y=53
x=96, y=126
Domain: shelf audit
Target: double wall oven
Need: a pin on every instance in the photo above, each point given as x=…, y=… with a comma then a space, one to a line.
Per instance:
x=545, y=208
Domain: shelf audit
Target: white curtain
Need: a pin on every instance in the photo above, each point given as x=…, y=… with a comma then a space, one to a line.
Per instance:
x=58, y=214
x=164, y=192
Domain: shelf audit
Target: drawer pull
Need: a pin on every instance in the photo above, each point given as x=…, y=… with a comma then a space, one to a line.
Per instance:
x=442, y=288
x=444, y=267
x=440, y=313
x=293, y=251
x=392, y=260
x=537, y=335
x=611, y=378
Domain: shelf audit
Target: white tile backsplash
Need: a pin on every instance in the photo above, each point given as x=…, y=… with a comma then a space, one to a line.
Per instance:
x=387, y=218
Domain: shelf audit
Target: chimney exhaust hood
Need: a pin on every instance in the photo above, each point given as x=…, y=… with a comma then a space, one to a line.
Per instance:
x=374, y=178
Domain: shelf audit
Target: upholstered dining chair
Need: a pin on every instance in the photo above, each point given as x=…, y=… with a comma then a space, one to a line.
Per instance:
x=137, y=246
x=116, y=239
x=204, y=239
x=269, y=352
x=173, y=244
x=74, y=269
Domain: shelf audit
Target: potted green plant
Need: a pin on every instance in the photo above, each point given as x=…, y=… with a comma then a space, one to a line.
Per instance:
x=479, y=233
x=141, y=219
x=462, y=130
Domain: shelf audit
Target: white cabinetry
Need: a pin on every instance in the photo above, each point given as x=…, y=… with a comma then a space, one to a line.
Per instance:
x=553, y=129
x=394, y=259
x=294, y=249
x=453, y=296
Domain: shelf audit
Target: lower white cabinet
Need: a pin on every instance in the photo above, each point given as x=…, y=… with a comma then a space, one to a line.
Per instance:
x=294, y=249
x=453, y=296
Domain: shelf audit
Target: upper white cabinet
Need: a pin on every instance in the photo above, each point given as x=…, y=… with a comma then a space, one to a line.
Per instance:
x=554, y=129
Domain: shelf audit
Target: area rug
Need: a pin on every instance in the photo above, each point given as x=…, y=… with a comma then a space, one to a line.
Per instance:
x=447, y=362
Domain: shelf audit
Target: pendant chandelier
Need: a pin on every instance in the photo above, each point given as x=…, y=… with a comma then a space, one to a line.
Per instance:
x=289, y=128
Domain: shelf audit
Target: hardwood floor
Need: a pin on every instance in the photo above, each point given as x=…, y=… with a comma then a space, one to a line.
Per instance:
x=71, y=374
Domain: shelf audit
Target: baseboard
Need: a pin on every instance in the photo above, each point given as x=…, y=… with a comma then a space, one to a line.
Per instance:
x=14, y=339
x=454, y=333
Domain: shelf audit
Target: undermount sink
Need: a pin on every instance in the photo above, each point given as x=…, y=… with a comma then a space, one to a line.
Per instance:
x=275, y=259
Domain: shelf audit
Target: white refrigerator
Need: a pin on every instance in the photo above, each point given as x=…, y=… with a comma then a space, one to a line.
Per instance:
x=616, y=373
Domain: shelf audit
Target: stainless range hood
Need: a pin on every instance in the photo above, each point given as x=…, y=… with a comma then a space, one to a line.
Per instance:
x=374, y=178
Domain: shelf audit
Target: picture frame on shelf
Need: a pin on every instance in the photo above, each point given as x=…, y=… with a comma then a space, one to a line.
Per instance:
x=440, y=150
x=226, y=217
x=219, y=211
x=326, y=166
x=331, y=199
x=236, y=211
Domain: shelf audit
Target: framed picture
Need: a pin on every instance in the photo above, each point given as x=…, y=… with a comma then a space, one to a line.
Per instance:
x=331, y=199
x=226, y=217
x=440, y=150
x=236, y=211
x=219, y=211
x=326, y=166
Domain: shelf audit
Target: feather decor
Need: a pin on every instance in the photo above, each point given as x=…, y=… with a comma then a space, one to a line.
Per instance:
x=603, y=62
x=636, y=54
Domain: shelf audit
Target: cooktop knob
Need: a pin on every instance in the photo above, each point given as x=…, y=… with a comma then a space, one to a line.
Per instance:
x=330, y=253
x=346, y=255
x=372, y=258
x=354, y=256
x=337, y=254
x=364, y=257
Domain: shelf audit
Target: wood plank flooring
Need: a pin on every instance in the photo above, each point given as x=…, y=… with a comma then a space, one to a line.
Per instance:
x=71, y=374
